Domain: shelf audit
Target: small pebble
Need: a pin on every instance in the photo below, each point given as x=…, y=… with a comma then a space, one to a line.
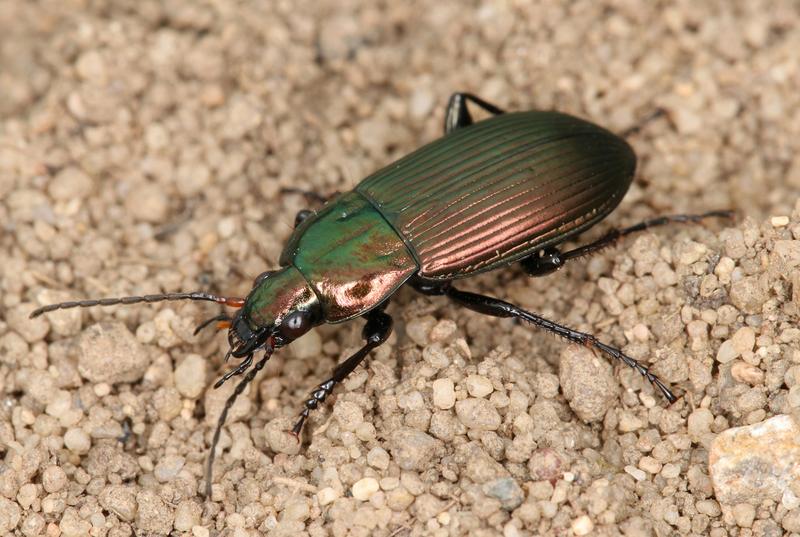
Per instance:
x=363, y=489
x=650, y=465
x=72, y=525
x=747, y=373
x=506, y=490
x=635, y=473
x=168, y=468
x=670, y=471
x=412, y=449
x=690, y=252
x=770, y=445
x=348, y=414
x=27, y=495
x=744, y=514
x=749, y=293
x=377, y=457
x=70, y=183
x=587, y=383
x=582, y=525
x=102, y=389
x=478, y=414
x=399, y=499
x=478, y=386
x=444, y=395
x=120, y=500
x=296, y=509
x=187, y=515
x=190, y=376
x=77, y=441
x=743, y=340
x=108, y=352
x=419, y=329
x=54, y=479
x=779, y=221
x=327, y=495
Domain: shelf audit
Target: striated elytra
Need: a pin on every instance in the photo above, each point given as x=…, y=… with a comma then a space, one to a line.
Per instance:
x=487, y=194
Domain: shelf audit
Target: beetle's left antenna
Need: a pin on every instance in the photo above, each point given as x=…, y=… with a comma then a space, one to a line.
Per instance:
x=198, y=295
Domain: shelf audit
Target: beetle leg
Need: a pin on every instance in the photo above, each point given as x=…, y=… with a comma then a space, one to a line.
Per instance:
x=457, y=115
x=376, y=331
x=499, y=308
x=308, y=194
x=314, y=197
x=551, y=259
x=302, y=215
x=642, y=123
x=547, y=261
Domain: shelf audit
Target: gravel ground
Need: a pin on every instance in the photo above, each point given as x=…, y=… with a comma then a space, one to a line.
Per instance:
x=143, y=146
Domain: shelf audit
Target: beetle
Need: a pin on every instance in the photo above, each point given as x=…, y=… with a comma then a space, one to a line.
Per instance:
x=508, y=189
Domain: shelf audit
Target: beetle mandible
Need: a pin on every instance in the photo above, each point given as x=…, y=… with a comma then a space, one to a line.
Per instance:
x=507, y=189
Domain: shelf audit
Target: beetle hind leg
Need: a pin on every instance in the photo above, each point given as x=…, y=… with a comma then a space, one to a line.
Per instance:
x=499, y=308
x=457, y=114
x=551, y=259
x=376, y=332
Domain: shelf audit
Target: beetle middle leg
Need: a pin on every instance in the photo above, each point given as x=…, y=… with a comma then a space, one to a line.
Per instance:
x=500, y=308
x=551, y=259
x=457, y=114
x=376, y=332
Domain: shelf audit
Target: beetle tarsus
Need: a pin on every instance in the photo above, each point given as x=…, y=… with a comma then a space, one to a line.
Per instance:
x=241, y=368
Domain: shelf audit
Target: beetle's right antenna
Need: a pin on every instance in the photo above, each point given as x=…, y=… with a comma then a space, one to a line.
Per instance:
x=197, y=295
x=248, y=378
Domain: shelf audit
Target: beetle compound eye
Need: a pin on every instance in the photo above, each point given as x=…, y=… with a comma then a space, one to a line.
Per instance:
x=295, y=324
x=261, y=277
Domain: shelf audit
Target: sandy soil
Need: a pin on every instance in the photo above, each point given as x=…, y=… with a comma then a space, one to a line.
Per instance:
x=143, y=148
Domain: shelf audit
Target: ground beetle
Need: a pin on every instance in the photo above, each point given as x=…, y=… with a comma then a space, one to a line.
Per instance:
x=485, y=195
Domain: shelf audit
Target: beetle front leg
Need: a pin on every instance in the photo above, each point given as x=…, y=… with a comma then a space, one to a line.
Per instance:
x=376, y=332
x=551, y=259
x=457, y=114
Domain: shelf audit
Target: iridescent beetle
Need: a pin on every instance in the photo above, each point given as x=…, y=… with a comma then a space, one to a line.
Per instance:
x=487, y=194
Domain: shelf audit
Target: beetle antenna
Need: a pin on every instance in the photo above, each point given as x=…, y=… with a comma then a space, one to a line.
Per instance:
x=197, y=295
x=248, y=378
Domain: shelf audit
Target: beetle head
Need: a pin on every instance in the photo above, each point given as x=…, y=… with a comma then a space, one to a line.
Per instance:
x=281, y=305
